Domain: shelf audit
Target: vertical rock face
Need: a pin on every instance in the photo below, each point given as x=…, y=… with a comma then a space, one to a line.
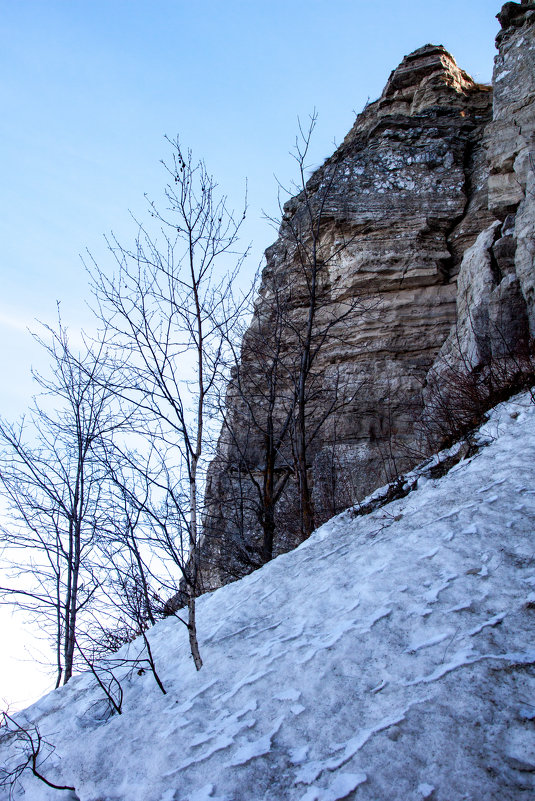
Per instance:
x=495, y=318
x=427, y=220
x=512, y=150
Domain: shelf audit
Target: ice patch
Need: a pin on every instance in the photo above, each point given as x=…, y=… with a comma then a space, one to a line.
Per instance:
x=469, y=530
x=494, y=621
x=431, y=597
x=312, y=770
x=425, y=790
x=379, y=687
x=344, y=784
x=429, y=555
x=379, y=615
x=298, y=755
x=257, y=748
x=464, y=606
x=427, y=643
x=466, y=658
x=291, y=694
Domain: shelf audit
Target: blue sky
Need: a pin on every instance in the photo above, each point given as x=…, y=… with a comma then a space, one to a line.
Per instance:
x=90, y=88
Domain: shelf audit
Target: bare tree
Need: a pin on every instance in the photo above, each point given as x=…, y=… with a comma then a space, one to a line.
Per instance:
x=133, y=605
x=460, y=388
x=303, y=228
x=257, y=416
x=170, y=307
x=52, y=481
x=280, y=398
x=31, y=751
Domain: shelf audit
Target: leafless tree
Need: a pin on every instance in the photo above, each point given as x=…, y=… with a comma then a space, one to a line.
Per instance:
x=280, y=398
x=132, y=604
x=305, y=225
x=106, y=680
x=257, y=417
x=170, y=307
x=52, y=482
x=459, y=390
x=31, y=750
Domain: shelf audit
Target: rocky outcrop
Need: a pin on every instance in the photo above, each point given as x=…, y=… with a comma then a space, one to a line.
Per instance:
x=490, y=343
x=427, y=220
x=512, y=148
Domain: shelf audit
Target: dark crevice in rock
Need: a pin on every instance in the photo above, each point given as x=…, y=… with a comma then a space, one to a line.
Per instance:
x=447, y=265
x=497, y=273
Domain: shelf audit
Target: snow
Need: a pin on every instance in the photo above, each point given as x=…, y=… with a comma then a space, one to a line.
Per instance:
x=391, y=656
x=425, y=790
x=343, y=784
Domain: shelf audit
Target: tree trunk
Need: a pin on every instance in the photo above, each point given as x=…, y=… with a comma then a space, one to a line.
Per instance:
x=268, y=519
x=192, y=630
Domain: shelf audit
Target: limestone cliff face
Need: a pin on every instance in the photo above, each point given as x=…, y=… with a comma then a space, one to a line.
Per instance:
x=512, y=150
x=495, y=319
x=428, y=223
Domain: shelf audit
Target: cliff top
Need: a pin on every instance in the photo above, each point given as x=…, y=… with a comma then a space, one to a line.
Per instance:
x=427, y=78
x=429, y=61
x=512, y=15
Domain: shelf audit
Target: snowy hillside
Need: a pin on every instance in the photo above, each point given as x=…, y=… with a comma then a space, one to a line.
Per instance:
x=389, y=657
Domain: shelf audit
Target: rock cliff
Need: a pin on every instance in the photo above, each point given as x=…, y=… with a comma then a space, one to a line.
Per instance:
x=425, y=244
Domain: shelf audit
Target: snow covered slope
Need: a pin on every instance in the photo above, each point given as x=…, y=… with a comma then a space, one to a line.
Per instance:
x=389, y=657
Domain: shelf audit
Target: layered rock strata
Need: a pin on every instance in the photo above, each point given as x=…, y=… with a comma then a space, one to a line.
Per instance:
x=426, y=236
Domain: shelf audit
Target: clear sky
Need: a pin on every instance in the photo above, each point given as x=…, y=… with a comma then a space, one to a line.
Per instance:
x=90, y=88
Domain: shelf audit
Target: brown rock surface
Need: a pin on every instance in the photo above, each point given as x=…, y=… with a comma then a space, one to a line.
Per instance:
x=410, y=200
